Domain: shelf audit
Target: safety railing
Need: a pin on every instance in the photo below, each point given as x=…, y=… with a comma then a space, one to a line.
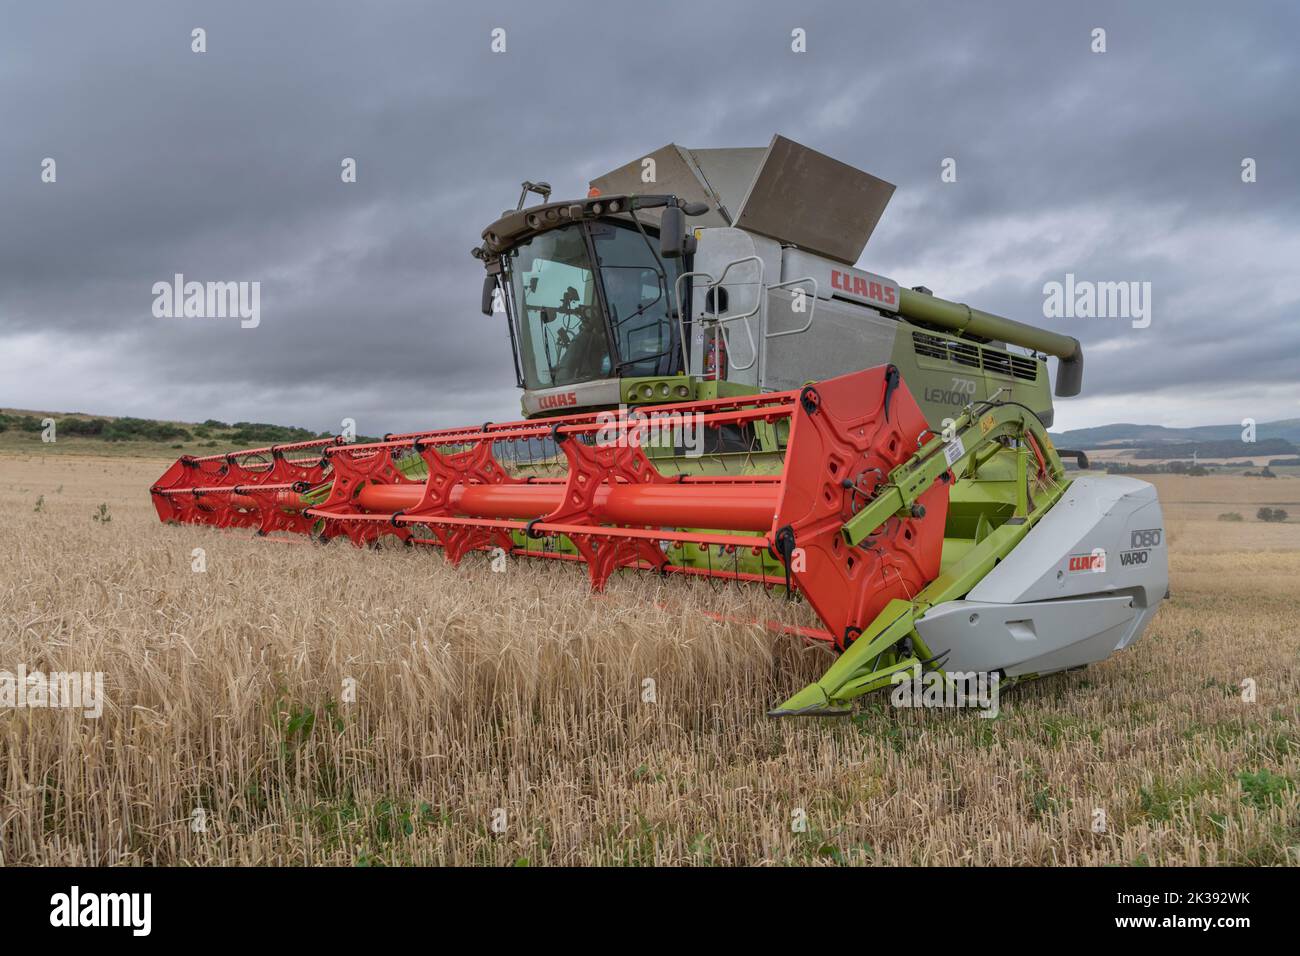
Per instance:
x=720, y=322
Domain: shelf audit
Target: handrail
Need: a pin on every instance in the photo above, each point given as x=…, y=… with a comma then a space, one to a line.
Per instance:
x=681, y=319
x=719, y=320
x=721, y=323
x=811, y=312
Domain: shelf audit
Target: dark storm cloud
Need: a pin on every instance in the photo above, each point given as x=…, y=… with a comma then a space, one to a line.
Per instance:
x=225, y=166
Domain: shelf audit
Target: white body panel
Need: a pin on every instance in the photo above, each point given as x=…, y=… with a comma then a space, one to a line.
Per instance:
x=1085, y=582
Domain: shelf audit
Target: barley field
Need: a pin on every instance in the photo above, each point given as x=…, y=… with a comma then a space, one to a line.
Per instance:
x=300, y=704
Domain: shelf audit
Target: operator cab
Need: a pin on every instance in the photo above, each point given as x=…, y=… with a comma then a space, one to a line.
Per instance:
x=588, y=290
x=588, y=301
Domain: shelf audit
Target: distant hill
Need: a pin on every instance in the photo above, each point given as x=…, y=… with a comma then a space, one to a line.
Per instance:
x=1216, y=449
x=23, y=430
x=1142, y=436
x=114, y=429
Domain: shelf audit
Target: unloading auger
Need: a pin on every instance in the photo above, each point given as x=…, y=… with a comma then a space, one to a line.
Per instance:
x=930, y=530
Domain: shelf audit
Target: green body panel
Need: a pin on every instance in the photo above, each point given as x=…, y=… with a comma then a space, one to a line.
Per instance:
x=656, y=390
x=709, y=388
x=970, y=372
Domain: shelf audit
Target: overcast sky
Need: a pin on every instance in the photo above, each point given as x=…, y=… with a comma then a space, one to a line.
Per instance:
x=225, y=165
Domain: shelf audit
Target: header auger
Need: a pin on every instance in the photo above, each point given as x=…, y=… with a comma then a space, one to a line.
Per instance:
x=879, y=451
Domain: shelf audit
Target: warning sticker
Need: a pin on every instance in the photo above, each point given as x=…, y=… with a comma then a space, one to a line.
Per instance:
x=953, y=450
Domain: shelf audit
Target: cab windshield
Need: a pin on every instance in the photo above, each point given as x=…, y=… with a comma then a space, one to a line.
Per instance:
x=576, y=321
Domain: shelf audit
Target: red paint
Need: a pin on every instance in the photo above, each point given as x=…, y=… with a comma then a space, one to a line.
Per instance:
x=862, y=287
x=561, y=400
x=615, y=507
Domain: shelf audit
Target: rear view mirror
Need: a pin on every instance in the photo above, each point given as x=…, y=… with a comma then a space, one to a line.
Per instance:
x=489, y=290
x=672, y=233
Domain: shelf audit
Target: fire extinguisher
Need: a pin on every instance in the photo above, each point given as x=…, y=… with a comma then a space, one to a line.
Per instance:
x=715, y=356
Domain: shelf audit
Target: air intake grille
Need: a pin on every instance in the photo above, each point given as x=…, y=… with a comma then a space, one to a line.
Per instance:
x=931, y=346
x=963, y=353
x=995, y=361
x=991, y=360
x=1022, y=367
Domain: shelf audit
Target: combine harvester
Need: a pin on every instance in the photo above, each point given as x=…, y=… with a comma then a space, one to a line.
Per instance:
x=735, y=399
